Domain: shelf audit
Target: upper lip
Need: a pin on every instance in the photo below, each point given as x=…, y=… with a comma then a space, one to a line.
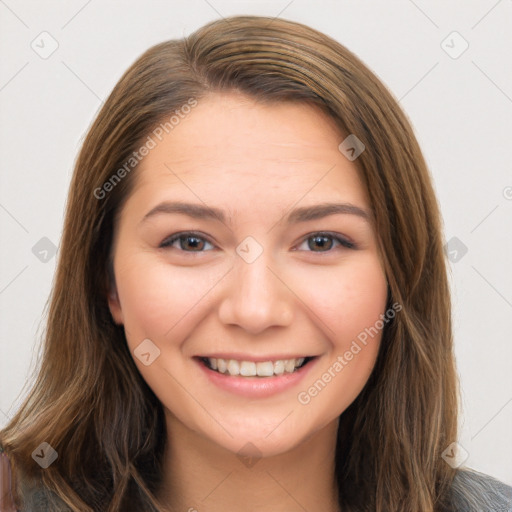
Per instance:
x=255, y=359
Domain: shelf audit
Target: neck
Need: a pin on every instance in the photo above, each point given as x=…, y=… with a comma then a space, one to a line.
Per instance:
x=201, y=476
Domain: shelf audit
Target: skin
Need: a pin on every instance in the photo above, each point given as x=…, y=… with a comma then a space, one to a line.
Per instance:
x=256, y=162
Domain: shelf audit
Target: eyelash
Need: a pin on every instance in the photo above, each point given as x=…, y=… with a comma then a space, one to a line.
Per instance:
x=168, y=242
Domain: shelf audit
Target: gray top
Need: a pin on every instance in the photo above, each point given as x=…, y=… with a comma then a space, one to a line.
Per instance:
x=478, y=492
x=472, y=492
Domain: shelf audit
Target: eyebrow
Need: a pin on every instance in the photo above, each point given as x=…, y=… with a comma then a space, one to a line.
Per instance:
x=302, y=214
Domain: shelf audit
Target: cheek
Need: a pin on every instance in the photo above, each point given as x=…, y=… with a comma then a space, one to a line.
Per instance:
x=346, y=299
x=158, y=298
x=350, y=302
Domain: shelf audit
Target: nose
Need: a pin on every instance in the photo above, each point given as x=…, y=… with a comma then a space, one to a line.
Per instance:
x=257, y=297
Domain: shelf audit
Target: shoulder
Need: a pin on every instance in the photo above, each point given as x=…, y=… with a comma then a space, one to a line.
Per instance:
x=473, y=491
x=34, y=496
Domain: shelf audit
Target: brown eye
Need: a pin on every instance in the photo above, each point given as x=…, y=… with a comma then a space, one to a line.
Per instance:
x=324, y=242
x=321, y=241
x=187, y=242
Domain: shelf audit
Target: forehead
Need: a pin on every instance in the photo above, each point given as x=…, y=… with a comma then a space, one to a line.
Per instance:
x=230, y=145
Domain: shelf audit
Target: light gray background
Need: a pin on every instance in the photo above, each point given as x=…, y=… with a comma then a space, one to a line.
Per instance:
x=460, y=108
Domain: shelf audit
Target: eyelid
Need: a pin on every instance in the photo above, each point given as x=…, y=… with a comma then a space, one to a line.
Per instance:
x=344, y=242
x=171, y=239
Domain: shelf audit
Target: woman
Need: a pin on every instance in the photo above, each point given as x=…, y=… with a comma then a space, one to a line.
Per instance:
x=251, y=309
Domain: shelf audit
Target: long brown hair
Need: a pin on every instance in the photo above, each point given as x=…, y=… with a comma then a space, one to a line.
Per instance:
x=89, y=401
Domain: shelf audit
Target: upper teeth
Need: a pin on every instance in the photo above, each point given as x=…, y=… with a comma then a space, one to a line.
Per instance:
x=251, y=369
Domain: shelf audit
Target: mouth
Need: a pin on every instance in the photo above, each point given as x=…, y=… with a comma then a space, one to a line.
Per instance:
x=260, y=369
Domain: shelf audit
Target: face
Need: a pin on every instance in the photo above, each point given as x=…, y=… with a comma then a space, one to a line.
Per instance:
x=253, y=276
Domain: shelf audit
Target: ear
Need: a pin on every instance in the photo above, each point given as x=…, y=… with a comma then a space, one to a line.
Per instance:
x=113, y=298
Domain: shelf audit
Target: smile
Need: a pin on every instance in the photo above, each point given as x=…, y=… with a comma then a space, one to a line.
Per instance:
x=255, y=379
x=233, y=367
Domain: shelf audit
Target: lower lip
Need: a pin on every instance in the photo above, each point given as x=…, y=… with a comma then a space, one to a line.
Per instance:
x=257, y=387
